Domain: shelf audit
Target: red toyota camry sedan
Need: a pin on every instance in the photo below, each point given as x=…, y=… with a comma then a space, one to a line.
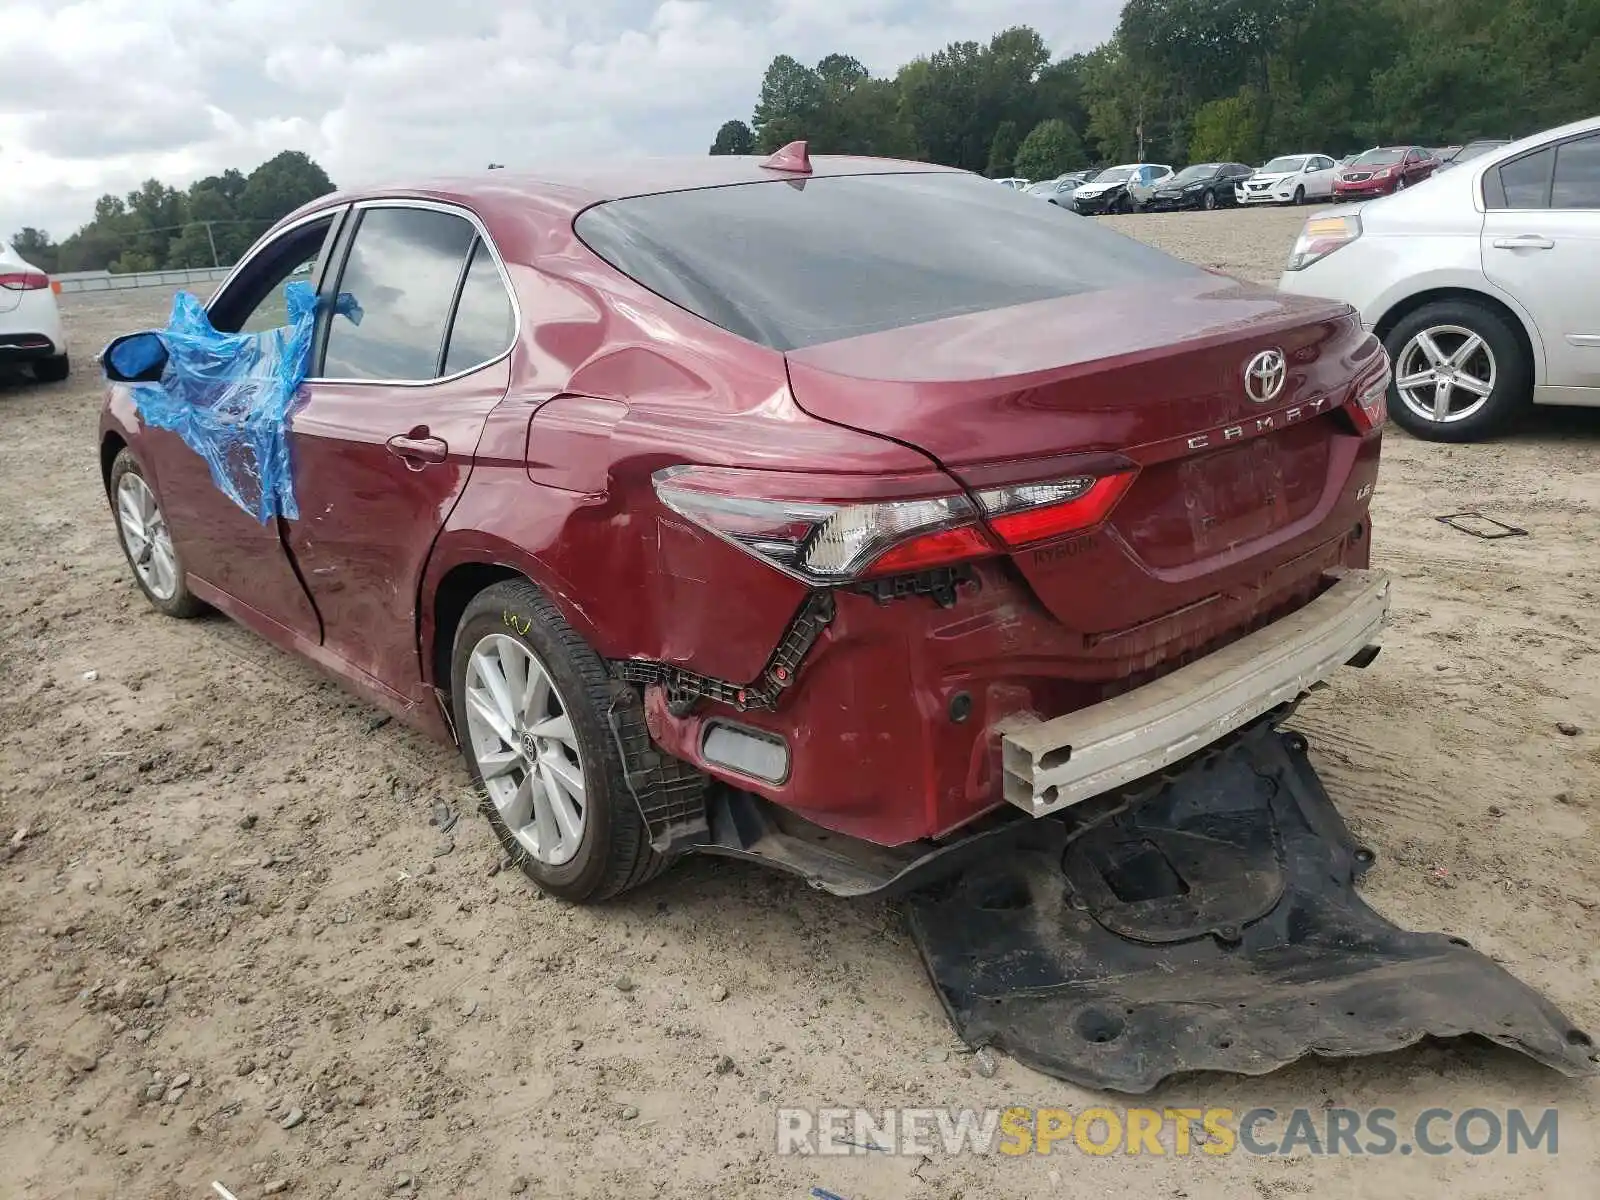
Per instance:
x=822, y=511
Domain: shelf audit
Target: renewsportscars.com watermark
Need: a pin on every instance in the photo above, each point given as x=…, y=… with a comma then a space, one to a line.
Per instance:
x=1172, y=1132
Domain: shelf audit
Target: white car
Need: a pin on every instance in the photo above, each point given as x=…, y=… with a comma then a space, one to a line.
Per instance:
x=1482, y=283
x=1015, y=182
x=1112, y=190
x=30, y=324
x=1289, y=179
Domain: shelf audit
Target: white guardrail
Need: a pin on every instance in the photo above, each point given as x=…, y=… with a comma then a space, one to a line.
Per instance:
x=104, y=281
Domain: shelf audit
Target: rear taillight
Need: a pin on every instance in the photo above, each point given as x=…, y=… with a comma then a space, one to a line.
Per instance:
x=24, y=281
x=808, y=526
x=1032, y=512
x=1370, y=407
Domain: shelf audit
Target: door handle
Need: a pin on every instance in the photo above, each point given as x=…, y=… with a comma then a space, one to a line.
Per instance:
x=418, y=452
x=1524, y=241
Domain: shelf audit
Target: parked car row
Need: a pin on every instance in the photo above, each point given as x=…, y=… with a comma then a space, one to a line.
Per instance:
x=1288, y=179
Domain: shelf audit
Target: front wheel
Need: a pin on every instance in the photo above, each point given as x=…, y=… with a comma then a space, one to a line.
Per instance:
x=1208, y=201
x=1124, y=204
x=146, y=540
x=1299, y=196
x=1460, y=372
x=1400, y=184
x=531, y=700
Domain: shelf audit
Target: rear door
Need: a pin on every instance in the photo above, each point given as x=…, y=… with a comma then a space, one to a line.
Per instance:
x=1320, y=171
x=416, y=354
x=1541, y=243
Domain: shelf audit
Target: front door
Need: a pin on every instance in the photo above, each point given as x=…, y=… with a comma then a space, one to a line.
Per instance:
x=415, y=355
x=1541, y=244
x=220, y=543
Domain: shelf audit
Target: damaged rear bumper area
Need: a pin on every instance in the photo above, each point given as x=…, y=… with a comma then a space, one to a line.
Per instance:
x=1207, y=921
x=1050, y=765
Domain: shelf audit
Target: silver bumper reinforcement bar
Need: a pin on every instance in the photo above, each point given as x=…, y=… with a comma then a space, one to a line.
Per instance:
x=1050, y=765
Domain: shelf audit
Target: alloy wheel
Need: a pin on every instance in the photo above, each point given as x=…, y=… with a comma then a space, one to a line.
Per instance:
x=1445, y=374
x=145, y=534
x=521, y=737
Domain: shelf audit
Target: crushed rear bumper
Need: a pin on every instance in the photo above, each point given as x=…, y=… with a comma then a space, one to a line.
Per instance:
x=1051, y=765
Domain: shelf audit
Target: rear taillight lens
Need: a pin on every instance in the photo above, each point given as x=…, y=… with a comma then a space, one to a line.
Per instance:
x=1033, y=512
x=1370, y=407
x=24, y=281
x=833, y=538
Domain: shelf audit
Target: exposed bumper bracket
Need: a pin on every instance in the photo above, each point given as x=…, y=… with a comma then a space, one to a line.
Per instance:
x=1050, y=765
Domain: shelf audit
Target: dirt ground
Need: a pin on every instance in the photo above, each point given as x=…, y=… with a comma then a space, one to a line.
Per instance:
x=222, y=903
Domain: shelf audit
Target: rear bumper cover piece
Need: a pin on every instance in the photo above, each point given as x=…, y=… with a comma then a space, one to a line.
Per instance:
x=1050, y=765
x=1208, y=922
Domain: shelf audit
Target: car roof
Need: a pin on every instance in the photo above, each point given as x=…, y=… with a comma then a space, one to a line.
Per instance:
x=576, y=186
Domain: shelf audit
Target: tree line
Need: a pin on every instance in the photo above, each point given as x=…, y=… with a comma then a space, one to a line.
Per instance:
x=1199, y=80
x=159, y=227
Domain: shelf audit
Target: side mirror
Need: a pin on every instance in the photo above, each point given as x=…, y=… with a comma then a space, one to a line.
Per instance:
x=135, y=358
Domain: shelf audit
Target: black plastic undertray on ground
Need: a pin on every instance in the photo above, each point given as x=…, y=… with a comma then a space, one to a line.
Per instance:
x=1212, y=924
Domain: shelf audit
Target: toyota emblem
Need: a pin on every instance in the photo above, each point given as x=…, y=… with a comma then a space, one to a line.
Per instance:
x=1264, y=376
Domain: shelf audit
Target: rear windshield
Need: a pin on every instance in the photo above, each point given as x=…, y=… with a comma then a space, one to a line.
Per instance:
x=793, y=263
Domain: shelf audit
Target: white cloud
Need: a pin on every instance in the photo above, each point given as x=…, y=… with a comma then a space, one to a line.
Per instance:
x=112, y=92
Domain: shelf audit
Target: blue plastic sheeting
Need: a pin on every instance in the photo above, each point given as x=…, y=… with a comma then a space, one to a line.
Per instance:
x=228, y=396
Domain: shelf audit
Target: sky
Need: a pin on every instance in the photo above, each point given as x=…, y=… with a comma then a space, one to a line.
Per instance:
x=98, y=95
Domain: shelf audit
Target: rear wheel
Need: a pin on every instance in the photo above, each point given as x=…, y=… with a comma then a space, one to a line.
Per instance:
x=147, y=541
x=1460, y=372
x=530, y=700
x=52, y=370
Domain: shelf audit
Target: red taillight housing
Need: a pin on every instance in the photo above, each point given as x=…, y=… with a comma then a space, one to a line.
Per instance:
x=1034, y=512
x=24, y=281
x=837, y=529
x=1369, y=407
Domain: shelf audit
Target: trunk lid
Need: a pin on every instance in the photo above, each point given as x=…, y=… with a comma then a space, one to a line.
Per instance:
x=1147, y=376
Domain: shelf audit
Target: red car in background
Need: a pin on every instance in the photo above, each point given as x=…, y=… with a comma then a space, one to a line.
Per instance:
x=1383, y=171
x=807, y=510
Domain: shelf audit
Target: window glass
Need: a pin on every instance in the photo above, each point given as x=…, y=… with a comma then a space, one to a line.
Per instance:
x=401, y=276
x=796, y=263
x=1526, y=180
x=1577, y=181
x=254, y=301
x=482, y=328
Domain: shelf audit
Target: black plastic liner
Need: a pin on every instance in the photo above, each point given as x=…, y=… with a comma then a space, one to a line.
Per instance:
x=1209, y=924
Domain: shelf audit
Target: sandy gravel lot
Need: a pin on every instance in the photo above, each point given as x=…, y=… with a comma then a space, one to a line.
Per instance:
x=229, y=906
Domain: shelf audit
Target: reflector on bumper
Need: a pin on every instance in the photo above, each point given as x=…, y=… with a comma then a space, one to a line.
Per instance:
x=1052, y=764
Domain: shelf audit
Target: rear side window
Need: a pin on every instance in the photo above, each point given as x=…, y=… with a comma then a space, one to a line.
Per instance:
x=1577, y=177
x=1521, y=183
x=793, y=263
x=401, y=273
x=483, y=326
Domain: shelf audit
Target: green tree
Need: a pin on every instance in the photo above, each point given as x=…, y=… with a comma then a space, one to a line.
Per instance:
x=1229, y=129
x=1002, y=150
x=1051, y=148
x=36, y=247
x=735, y=137
x=790, y=104
x=279, y=186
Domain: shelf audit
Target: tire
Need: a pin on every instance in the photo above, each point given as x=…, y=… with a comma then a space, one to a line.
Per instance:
x=143, y=558
x=1399, y=184
x=1209, y=201
x=52, y=370
x=1124, y=204
x=612, y=853
x=1508, y=365
x=1299, y=196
